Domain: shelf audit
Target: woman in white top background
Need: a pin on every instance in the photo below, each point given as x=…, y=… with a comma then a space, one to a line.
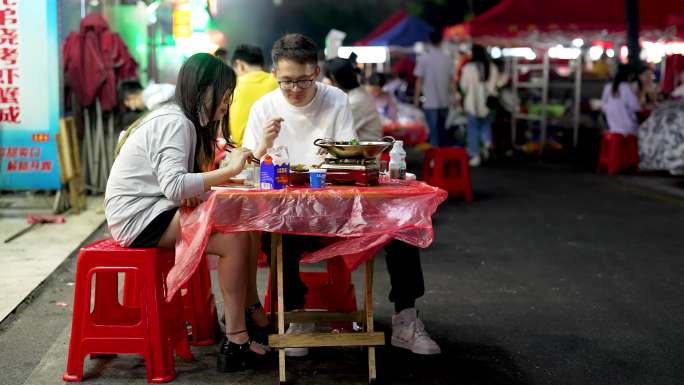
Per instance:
x=478, y=82
x=159, y=168
x=367, y=125
x=620, y=103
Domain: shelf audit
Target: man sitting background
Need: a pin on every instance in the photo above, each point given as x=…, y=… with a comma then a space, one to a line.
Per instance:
x=253, y=83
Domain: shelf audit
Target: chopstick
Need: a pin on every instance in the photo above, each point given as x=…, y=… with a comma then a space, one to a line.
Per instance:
x=252, y=158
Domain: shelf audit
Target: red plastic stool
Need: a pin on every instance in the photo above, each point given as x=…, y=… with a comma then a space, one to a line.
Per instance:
x=447, y=168
x=199, y=306
x=152, y=330
x=332, y=290
x=618, y=153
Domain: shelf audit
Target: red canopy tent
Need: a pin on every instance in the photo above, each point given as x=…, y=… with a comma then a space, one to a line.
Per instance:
x=513, y=19
x=384, y=27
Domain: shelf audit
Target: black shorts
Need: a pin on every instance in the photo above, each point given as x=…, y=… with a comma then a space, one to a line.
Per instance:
x=151, y=235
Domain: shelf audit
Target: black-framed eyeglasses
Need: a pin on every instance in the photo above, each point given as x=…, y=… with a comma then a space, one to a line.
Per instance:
x=301, y=84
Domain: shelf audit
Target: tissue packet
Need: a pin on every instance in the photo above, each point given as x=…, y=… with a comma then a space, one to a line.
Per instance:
x=275, y=169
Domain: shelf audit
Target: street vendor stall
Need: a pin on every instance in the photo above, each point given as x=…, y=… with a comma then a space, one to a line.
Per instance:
x=564, y=27
x=399, y=34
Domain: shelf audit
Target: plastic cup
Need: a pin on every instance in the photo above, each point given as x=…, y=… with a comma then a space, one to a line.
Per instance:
x=317, y=178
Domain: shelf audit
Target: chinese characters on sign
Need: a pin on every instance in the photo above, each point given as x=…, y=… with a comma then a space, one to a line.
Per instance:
x=24, y=159
x=9, y=69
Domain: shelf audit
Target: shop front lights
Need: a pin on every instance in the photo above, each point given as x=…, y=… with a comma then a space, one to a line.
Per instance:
x=578, y=42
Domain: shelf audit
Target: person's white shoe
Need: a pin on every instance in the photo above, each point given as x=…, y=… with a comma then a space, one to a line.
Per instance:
x=475, y=161
x=408, y=332
x=299, y=328
x=486, y=151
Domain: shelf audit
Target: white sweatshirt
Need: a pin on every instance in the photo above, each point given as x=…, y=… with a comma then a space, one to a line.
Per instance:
x=152, y=173
x=327, y=116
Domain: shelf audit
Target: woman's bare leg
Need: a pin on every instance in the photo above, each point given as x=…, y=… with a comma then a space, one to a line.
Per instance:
x=233, y=251
x=234, y=256
x=252, y=293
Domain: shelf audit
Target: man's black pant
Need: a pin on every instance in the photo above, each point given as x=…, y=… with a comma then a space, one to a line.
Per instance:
x=403, y=265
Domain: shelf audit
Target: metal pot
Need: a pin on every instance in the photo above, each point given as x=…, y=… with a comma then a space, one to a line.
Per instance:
x=363, y=150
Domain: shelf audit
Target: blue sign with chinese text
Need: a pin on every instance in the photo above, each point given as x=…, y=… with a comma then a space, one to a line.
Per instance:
x=29, y=95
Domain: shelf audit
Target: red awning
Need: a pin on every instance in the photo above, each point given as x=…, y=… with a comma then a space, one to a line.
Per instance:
x=512, y=18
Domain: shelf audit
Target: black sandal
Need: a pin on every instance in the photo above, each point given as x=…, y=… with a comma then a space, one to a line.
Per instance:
x=234, y=357
x=258, y=333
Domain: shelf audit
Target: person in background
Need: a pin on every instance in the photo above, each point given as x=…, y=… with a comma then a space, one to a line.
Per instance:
x=647, y=90
x=222, y=54
x=678, y=92
x=136, y=100
x=434, y=72
x=340, y=73
x=403, y=70
x=620, y=103
x=253, y=83
x=157, y=170
x=294, y=116
x=397, y=87
x=601, y=67
x=385, y=103
x=478, y=83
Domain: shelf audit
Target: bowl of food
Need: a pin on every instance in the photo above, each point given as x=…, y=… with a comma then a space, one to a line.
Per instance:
x=299, y=175
x=355, y=149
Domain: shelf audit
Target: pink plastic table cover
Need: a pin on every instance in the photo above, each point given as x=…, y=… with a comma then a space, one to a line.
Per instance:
x=363, y=220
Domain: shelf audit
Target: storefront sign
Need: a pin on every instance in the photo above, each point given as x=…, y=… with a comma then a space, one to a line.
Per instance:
x=182, y=20
x=29, y=95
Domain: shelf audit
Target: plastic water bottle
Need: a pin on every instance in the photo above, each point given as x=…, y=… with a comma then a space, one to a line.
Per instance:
x=397, y=163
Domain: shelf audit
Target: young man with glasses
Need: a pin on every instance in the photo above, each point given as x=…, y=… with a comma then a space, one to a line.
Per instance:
x=302, y=111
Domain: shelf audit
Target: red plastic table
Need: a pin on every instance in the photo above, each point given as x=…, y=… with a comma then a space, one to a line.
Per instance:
x=362, y=220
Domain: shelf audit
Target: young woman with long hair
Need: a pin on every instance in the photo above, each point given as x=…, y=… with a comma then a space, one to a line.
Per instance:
x=161, y=165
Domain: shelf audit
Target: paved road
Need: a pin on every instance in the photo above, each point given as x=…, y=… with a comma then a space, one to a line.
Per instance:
x=551, y=277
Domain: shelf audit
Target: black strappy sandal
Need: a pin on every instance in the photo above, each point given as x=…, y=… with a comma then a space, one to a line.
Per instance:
x=234, y=357
x=258, y=333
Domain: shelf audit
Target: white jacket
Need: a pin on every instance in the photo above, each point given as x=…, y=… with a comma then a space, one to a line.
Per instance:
x=476, y=91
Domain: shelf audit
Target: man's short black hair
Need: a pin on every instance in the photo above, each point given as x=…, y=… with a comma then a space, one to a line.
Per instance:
x=127, y=88
x=341, y=72
x=249, y=54
x=295, y=47
x=377, y=79
x=435, y=37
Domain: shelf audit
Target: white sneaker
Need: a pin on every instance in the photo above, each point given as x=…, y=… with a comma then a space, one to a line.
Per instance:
x=486, y=151
x=299, y=328
x=475, y=161
x=408, y=332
